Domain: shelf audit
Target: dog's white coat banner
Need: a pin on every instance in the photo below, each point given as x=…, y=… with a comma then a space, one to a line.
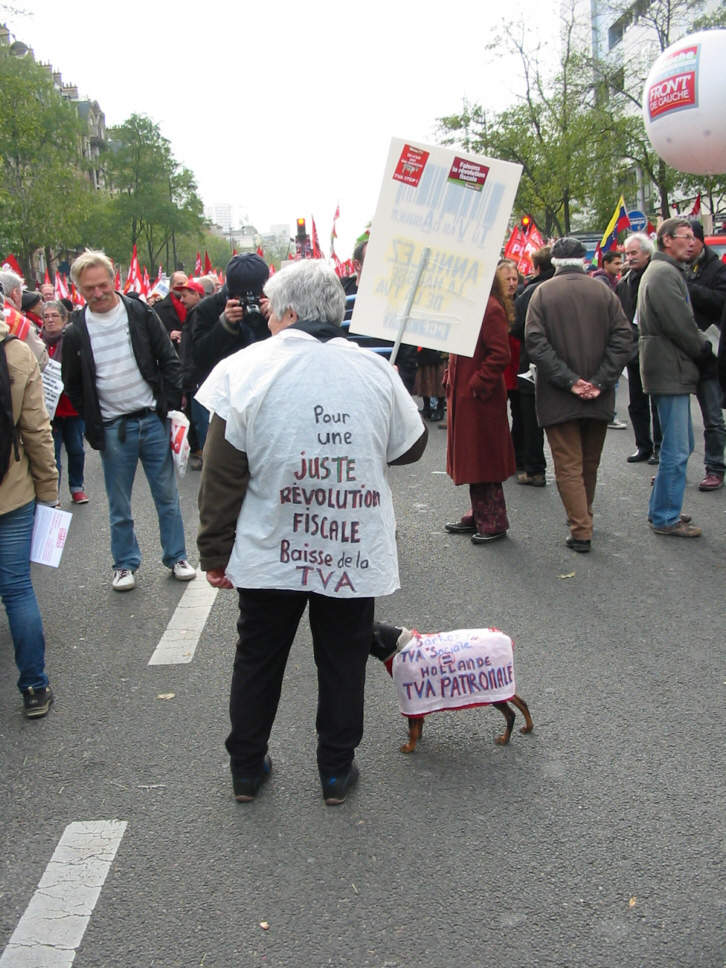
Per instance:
x=453, y=670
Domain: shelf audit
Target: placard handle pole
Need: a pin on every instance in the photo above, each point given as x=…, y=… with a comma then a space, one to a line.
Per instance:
x=426, y=253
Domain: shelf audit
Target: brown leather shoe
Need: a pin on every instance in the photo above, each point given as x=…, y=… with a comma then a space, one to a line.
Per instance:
x=679, y=530
x=711, y=482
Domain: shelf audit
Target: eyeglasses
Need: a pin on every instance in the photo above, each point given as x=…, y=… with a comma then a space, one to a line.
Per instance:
x=691, y=238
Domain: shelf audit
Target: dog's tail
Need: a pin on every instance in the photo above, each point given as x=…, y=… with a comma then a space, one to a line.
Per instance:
x=388, y=640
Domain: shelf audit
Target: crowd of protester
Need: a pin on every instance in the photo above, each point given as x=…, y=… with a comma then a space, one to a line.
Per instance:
x=551, y=349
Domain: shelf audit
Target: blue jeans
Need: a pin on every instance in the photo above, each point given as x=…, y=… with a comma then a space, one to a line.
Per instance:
x=666, y=496
x=708, y=394
x=148, y=440
x=21, y=605
x=200, y=416
x=69, y=431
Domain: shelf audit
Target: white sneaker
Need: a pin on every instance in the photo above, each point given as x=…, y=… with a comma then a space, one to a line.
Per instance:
x=123, y=580
x=617, y=425
x=183, y=571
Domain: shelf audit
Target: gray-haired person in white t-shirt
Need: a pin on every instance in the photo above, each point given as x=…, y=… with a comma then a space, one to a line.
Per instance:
x=296, y=511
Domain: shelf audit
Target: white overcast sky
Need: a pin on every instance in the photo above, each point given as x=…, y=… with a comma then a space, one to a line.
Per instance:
x=283, y=109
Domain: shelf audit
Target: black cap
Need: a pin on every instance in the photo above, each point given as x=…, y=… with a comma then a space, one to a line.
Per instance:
x=246, y=273
x=29, y=300
x=697, y=228
x=568, y=248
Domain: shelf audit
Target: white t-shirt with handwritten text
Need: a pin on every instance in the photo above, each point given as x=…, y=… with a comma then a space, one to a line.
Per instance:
x=318, y=422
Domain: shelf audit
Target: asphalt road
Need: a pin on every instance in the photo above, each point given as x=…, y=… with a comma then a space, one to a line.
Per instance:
x=597, y=840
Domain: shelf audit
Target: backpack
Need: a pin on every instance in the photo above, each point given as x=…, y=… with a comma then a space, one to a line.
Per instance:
x=8, y=430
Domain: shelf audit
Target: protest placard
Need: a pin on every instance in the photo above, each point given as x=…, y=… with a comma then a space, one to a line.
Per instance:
x=455, y=204
x=52, y=386
x=50, y=529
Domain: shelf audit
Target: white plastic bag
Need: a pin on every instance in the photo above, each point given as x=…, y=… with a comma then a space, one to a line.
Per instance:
x=180, y=448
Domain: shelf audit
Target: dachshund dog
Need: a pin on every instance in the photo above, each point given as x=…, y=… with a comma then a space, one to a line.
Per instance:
x=388, y=640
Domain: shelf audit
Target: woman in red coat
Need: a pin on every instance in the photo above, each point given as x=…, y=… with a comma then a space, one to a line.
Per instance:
x=479, y=444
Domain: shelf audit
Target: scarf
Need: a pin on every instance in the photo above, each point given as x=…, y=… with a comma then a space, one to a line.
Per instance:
x=319, y=329
x=179, y=308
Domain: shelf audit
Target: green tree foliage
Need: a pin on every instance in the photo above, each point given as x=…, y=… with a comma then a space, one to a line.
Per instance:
x=578, y=131
x=44, y=189
x=558, y=130
x=152, y=199
x=218, y=249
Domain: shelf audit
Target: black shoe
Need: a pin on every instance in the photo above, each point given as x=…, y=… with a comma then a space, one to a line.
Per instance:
x=533, y=480
x=37, y=702
x=577, y=544
x=336, y=788
x=460, y=527
x=478, y=538
x=245, y=788
x=639, y=456
x=655, y=456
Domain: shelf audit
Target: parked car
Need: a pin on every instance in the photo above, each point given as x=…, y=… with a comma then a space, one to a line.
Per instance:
x=717, y=242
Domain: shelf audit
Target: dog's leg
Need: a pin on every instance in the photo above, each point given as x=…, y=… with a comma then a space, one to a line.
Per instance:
x=415, y=728
x=508, y=714
x=524, y=710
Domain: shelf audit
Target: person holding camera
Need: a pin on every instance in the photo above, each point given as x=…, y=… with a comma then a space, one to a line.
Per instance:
x=234, y=317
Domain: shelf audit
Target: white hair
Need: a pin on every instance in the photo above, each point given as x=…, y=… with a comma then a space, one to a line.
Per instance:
x=561, y=263
x=11, y=281
x=646, y=244
x=310, y=288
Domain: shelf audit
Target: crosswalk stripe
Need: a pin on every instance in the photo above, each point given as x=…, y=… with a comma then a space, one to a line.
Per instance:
x=54, y=922
x=179, y=642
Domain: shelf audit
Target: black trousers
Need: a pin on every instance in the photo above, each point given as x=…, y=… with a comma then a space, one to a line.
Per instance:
x=342, y=632
x=517, y=428
x=640, y=409
x=534, y=456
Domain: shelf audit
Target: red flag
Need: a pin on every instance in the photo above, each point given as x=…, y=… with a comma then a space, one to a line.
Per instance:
x=516, y=249
x=197, y=266
x=207, y=264
x=160, y=274
x=134, y=281
x=260, y=252
x=220, y=277
x=650, y=230
x=234, y=252
x=61, y=286
x=10, y=264
x=317, y=251
x=696, y=210
x=333, y=232
x=47, y=281
x=76, y=297
x=146, y=283
x=117, y=281
x=272, y=270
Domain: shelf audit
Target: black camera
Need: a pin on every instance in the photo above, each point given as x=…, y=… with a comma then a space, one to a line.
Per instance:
x=251, y=311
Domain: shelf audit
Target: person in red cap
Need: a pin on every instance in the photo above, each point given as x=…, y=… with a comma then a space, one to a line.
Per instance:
x=170, y=309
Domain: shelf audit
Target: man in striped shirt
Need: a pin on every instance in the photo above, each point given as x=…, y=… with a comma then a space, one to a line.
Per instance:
x=122, y=374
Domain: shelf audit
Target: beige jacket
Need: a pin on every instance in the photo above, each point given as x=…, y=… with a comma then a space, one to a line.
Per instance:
x=34, y=476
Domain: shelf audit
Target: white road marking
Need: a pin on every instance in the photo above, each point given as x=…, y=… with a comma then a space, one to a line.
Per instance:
x=55, y=921
x=179, y=642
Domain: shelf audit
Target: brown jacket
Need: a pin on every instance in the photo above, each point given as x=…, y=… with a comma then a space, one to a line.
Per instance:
x=576, y=329
x=34, y=476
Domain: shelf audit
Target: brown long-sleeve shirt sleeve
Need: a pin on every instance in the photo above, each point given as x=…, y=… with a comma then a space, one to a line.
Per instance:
x=225, y=476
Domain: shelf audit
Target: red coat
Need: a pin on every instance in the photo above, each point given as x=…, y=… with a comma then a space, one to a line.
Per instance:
x=479, y=443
